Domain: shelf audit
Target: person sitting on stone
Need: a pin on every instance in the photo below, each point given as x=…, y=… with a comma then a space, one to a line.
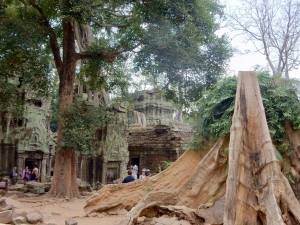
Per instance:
x=129, y=178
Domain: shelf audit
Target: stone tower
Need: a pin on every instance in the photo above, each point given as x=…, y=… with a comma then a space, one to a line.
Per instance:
x=154, y=135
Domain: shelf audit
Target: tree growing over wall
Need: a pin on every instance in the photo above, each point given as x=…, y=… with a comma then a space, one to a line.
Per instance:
x=273, y=27
x=239, y=181
x=34, y=31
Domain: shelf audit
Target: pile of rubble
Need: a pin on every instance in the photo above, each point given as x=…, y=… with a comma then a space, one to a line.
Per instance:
x=9, y=214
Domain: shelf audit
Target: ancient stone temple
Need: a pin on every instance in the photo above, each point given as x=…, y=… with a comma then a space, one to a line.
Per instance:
x=154, y=135
x=112, y=154
x=27, y=141
x=146, y=136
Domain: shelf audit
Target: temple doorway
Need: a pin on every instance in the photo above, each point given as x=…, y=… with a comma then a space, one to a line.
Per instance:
x=30, y=163
x=136, y=161
x=112, y=172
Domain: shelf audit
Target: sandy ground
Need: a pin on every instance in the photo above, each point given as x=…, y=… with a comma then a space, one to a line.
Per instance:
x=58, y=210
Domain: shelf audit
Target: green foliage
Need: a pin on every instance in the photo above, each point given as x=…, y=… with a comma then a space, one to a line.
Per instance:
x=167, y=163
x=291, y=179
x=149, y=188
x=182, y=50
x=215, y=109
x=174, y=38
x=159, y=168
x=278, y=155
x=24, y=60
x=80, y=123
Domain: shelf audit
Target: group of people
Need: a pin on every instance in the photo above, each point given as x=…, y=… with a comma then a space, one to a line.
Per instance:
x=27, y=175
x=132, y=172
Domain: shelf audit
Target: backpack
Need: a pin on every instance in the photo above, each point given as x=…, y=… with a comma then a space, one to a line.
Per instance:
x=11, y=174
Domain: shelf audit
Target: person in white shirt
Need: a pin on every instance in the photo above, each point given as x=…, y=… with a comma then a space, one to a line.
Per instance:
x=143, y=176
x=134, y=172
x=34, y=174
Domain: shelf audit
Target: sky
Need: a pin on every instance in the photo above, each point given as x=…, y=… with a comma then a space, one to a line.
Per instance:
x=246, y=62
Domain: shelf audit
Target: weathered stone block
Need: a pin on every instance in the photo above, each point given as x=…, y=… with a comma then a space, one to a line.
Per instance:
x=2, y=193
x=6, y=216
x=19, y=220
x=2, y=203
x=70, y=221
x=17, y=213
x=13, y=202
x=34, y=217
x=9, y=207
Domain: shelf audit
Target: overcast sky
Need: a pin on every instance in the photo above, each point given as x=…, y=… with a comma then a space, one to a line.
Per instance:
x=245, y=62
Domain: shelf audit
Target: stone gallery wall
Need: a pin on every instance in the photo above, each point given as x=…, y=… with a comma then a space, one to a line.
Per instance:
x=152, y=145
x=28, y=140
x=111, y=158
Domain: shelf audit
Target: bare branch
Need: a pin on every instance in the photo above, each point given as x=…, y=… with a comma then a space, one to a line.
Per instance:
x=275, y=26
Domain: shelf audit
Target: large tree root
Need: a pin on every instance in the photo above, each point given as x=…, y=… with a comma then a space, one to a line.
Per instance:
x=247, y=187
x=125, y=196
x=257, y=193
x=203, y=188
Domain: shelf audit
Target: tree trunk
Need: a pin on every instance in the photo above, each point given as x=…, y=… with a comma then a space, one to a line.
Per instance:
x=64, y=183
x=247, y=187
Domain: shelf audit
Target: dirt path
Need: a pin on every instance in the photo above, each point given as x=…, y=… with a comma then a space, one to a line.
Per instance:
x=57, y=211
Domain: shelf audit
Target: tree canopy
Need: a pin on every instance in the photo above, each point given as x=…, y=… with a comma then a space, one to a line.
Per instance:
x=184, y=68
x=215, y=108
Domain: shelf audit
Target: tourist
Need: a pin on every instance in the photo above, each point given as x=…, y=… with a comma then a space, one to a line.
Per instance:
x=129, y=178
x=143, y=175
x=26, y=175
x=147, y=173
x=134, y=172
x=35, y=173
x=136, y=168
x=13, y=176
x=128, y=169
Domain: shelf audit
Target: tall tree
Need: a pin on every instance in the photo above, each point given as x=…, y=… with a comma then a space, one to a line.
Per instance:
x=187, y=68
x=273, y=27
x=36, y=30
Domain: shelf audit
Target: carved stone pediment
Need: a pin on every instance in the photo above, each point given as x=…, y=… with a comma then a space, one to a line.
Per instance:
x=34, y=155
